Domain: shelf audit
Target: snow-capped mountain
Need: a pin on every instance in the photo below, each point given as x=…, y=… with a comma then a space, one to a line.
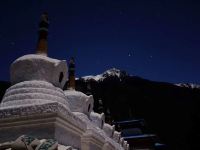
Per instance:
x=161, y=104
x=111, y=72
x=114, y=72
x=189, y=85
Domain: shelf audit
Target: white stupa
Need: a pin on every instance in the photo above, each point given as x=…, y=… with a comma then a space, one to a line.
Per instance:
x=36, y=105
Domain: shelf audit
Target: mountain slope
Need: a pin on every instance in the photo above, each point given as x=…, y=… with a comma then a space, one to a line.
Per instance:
x=170, y=111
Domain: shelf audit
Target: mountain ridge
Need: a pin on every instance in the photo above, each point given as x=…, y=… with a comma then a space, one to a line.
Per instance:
x=170, y=110
x=119, y=73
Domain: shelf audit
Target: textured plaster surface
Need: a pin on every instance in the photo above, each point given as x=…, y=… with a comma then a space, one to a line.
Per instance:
x=33, y=92
x=79, y=102
x=116, y=136
x=98, y=132
x=97, y=119
x=108, y=129
x=38, y=67
x=39, y=109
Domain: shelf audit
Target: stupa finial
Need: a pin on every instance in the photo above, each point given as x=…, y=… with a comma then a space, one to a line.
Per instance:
x=71, y=73
x=42, y=45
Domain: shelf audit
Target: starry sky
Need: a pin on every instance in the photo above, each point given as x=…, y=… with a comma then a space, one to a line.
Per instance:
x=154, y=39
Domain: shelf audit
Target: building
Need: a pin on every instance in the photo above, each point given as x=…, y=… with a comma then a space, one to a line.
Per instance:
x=136, y=133
x=35, y=113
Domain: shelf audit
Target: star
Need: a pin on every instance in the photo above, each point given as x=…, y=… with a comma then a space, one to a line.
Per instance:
x=130, y=53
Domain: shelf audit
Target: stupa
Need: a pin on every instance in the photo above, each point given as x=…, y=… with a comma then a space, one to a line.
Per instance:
x=35, y=105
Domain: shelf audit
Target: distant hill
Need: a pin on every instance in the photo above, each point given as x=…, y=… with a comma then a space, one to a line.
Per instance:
x=170, y=111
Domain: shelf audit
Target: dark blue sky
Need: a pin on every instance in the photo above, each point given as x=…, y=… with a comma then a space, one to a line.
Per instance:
x=156, y=40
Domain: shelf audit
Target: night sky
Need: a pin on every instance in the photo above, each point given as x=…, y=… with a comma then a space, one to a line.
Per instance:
x=156, y=40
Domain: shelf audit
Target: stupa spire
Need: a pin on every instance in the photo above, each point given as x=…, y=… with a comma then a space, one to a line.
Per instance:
x=71, y=73
x=42, y=45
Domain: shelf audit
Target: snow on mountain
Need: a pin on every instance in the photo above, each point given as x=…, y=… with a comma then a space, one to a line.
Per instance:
x=96, y=78
x=189, y=85
x=101, y=77
x=113, y=72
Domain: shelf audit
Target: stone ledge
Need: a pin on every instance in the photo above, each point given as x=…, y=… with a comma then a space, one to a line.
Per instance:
x=50, y=120
x=39, y=109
